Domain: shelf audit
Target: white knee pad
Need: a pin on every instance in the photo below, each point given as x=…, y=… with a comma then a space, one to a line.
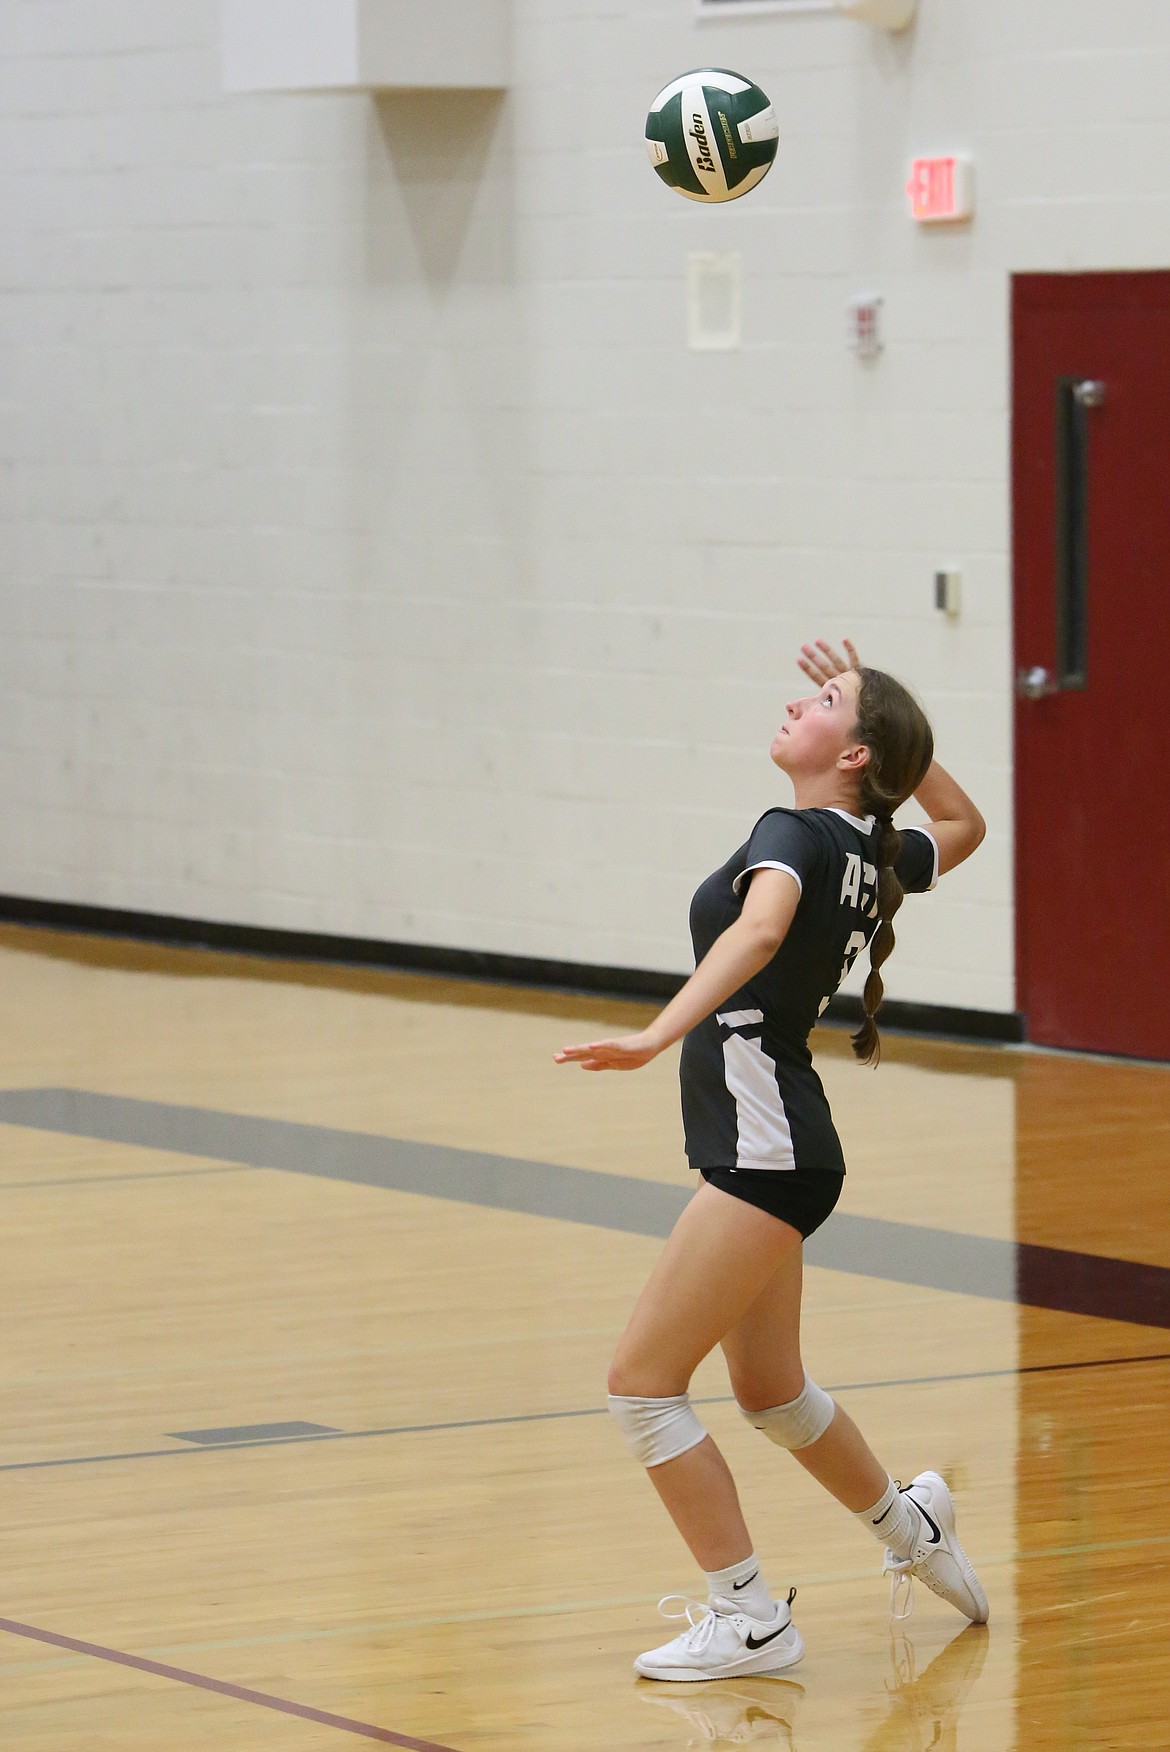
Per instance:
x=657, y=1429
x=799, y=1423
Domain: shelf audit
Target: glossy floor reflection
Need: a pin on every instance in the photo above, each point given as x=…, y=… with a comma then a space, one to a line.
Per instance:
x=406, y=1517
x=926, y=1699
x=753, y=1712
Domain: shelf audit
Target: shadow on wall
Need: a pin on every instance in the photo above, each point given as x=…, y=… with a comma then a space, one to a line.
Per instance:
x=441, y=160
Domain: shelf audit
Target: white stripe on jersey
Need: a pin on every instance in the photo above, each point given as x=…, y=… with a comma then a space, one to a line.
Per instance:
x=926, y=834
x=863, y=825
x=740, y=1018
x=764, y=1137
x=767, y=864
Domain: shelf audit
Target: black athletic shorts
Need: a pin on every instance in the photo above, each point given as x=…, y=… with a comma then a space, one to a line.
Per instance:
x=801, y=1200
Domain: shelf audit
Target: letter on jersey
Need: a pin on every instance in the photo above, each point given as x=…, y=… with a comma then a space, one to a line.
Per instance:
x=859, y=886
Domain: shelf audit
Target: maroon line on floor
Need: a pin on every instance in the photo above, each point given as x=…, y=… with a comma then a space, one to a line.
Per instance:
x=241, y=1692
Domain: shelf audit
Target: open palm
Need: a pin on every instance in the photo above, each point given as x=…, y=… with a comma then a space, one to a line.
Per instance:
x=821, y=663
x=627, y=1053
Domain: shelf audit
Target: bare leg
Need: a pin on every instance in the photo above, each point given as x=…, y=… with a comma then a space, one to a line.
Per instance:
x=699, y=1494
x=763, y=1358
x=720, y=1255
x=843, y=1461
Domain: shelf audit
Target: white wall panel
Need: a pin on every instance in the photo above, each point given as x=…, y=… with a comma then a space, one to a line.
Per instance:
x=375, y=558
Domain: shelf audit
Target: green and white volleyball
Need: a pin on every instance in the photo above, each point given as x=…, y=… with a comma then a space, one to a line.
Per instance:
x=711, y=134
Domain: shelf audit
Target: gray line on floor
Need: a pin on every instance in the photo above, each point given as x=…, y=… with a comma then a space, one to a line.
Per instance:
x=938, y=1259
x=525, y=1417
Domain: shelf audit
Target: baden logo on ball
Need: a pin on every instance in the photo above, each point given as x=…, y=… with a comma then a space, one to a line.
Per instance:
x=711, y=134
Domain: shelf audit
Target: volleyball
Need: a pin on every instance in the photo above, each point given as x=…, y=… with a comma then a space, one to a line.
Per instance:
x=711, y=134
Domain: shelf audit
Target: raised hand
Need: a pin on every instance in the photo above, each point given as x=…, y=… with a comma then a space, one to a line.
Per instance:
x=821, y=663
x=627, y=1053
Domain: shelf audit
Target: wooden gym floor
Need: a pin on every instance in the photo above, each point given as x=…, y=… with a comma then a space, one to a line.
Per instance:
x=309, y=1281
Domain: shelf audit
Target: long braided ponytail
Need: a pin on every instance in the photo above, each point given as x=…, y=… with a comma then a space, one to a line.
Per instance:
x=894, y=728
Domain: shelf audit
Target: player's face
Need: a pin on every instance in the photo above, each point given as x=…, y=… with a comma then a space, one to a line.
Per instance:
x=818, y=729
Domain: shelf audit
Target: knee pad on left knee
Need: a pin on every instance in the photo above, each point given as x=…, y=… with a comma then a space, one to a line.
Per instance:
x=657, y=1429
x=798, y=1424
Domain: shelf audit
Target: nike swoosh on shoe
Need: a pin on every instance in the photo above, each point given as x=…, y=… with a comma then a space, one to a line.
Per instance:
x=935, y=1529
x=754, y=1642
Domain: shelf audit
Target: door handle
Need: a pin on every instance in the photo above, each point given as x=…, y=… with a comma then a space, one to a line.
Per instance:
x=1035, y=683
x=1075, y=398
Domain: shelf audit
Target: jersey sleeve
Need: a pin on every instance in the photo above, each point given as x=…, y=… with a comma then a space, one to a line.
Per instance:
x=780, y=841
x=917, y=863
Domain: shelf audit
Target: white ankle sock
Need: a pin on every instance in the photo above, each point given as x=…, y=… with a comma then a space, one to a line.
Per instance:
x=893, y=1520
x=743, y=1584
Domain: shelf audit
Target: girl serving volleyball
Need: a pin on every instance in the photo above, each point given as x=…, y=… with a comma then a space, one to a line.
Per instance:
x=775, y=931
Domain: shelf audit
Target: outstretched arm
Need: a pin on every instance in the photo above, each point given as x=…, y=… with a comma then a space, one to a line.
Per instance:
x=955, y=824
x=735, y=957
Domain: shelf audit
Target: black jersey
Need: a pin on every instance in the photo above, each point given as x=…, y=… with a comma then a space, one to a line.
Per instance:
x=751, y=1098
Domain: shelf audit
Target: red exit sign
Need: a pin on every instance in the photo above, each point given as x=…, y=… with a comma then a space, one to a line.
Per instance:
x=941, y=190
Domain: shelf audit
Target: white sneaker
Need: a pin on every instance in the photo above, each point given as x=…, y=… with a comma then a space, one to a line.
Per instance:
x=721, y=1642
x=937, y=1559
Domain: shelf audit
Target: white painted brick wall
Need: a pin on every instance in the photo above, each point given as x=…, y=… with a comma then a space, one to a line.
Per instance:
x=375, y=558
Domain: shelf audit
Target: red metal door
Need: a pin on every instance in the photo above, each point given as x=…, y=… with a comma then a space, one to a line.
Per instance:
x=1091, y=510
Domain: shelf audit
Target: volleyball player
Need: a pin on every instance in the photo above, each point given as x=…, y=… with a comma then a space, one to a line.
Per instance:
x=775, y=931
